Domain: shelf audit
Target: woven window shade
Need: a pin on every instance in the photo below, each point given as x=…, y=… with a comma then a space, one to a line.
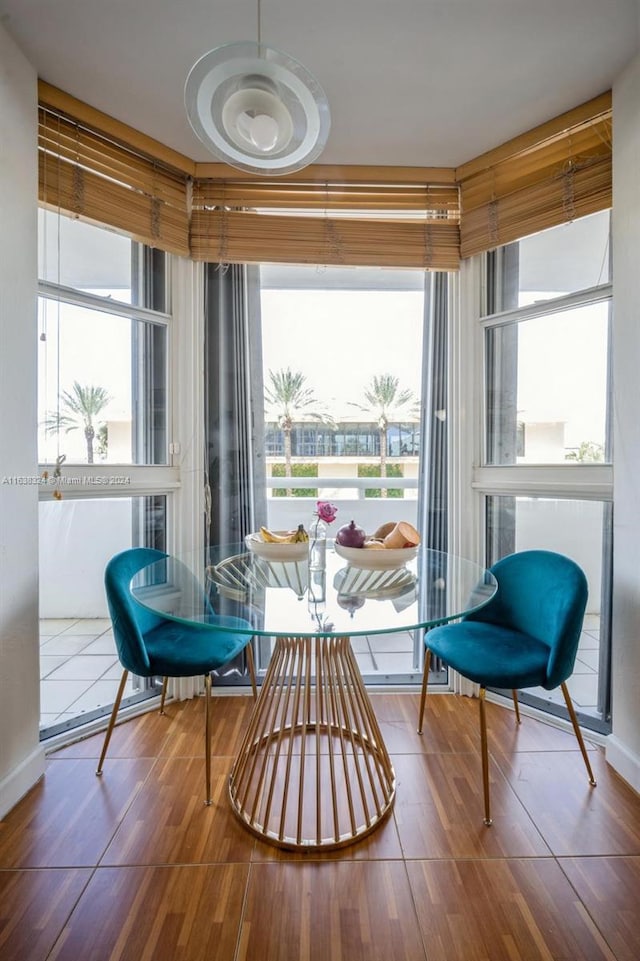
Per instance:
x=339, y=223
x=85, y=173
x=94, y=167
x=549, y=176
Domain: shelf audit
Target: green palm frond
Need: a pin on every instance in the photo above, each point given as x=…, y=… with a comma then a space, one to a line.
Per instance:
x=79, y=407
x=384, y=398
x=290, y=399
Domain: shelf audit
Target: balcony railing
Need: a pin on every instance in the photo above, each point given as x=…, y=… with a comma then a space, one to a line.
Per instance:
x=348, y=494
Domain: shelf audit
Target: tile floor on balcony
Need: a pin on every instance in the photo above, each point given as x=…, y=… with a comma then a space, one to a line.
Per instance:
x=583, y=683
x=80, y=671
x=79, y=668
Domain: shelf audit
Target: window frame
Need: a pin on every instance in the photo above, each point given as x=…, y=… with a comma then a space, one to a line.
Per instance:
x=119, y=479
x=176, y=291
x=554, y=481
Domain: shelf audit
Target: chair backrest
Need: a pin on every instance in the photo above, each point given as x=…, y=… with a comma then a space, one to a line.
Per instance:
x=130, y=619
x=543, y=594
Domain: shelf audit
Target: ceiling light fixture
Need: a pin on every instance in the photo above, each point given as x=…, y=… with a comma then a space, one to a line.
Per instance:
x=256, y=108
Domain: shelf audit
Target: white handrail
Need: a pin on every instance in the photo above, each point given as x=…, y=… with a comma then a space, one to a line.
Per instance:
x=361, y=483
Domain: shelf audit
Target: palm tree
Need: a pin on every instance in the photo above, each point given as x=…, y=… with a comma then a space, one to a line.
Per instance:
x=588, y=452
x=290, y=400
x=78, y=408
x=384, y=399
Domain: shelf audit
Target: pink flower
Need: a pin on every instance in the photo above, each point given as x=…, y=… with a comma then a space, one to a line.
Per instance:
x=326, y=511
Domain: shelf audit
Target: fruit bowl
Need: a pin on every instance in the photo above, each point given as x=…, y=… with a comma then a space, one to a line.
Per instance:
x=385, y=559
x=271, y=551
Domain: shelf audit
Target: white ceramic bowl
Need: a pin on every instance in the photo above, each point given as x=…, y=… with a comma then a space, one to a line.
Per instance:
x=276, y=552
x=356, y=582
x=372, y=560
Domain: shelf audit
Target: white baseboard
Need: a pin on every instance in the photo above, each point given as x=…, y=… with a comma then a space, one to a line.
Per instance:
x=623, y=761
x=16, y=784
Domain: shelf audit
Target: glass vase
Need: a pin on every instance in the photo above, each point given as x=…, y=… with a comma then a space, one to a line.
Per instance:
x=317, y=595
x=317, y=544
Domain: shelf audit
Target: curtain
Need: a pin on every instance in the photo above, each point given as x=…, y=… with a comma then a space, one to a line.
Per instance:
x=434, y=463
x=234, y=419
x=434, y=468
x=234, y=403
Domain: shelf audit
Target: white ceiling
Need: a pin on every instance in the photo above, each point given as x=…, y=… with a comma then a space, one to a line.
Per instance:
x=409, y=82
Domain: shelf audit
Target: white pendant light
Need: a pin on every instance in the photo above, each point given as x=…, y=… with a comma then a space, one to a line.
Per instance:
x=257, y=109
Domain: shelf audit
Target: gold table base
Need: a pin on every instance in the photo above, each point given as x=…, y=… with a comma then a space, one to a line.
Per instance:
x=313, y=772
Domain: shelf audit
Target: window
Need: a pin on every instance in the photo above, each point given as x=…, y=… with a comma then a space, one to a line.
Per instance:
x=79, y=667
x=102, y=363
x=581, y=529
x=103, y=450
x=546, y=468
x=547, y=388
x=338, y=328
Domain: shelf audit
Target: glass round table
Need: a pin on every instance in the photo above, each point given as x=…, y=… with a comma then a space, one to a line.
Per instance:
x=313, y=772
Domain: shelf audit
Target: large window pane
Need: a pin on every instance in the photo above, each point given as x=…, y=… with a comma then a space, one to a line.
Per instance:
x=102, y=399
x=580, y=529
x=552, y=263
x=354, y=338
x=547, y=388
x=83, y=256
x=102, y=387
x=338, y=432
x=79, y=665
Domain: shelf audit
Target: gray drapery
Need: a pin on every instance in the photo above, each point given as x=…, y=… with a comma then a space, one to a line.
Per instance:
x=234, y=403
x=433, y=512
x=433, y=507
x=235, y=494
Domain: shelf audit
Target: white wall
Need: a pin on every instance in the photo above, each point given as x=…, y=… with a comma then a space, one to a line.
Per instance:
x=623, y=750
x=21, y=757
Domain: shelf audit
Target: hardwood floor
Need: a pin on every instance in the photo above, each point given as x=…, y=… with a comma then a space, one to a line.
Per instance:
x=133, y=866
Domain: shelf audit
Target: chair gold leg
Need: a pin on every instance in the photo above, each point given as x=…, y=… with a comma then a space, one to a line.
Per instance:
x=423, y=695
x=165, y=681
x=207, y=735
x=112, y=720
x=485, y=758
x=252, y=669
x=578, y=732
x=514, y=694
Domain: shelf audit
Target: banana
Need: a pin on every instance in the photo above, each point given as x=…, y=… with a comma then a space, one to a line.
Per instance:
x=272, y=538
x=292, y=537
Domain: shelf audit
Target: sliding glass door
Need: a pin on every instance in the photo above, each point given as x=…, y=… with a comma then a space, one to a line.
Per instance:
x=346, y=365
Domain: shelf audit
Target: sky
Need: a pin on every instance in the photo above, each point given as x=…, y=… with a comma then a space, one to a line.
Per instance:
x=562, y=372
x=95, y=350
x=340, y=339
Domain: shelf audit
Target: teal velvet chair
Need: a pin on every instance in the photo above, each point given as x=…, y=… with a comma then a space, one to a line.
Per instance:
x=526, y=636
x=149, y=645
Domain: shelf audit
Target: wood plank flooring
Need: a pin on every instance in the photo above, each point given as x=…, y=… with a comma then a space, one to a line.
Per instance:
x=133, y=866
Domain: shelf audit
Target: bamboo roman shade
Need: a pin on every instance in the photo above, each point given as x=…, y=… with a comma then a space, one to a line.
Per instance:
x=345, y=222
x=551, y=175
x=95, y=167
x=86, y=173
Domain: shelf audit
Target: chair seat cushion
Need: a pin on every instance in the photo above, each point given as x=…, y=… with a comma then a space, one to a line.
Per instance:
x=185, y=650
x=491, y=655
